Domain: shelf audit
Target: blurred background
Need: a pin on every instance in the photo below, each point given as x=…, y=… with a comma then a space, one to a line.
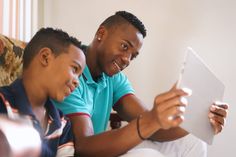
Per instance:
x=209, y=27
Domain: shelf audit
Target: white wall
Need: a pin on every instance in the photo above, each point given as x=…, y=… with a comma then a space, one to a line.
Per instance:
x=209, y=26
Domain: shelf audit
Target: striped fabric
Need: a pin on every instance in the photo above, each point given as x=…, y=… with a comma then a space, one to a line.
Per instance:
x=58, y=139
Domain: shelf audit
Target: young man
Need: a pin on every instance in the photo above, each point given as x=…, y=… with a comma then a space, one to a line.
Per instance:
x=103, y=87
x=52, y=62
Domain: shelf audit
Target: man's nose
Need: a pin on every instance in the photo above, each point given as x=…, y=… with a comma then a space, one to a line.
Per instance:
x=126, y=60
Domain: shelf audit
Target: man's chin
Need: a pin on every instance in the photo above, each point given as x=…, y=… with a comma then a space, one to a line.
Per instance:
x=111, y=73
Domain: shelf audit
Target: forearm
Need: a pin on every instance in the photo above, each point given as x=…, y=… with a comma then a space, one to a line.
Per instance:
x=116, y=142
x=136, y=108
x=168, y=135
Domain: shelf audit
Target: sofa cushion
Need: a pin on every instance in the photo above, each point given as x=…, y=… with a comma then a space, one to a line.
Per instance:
x=11, y=54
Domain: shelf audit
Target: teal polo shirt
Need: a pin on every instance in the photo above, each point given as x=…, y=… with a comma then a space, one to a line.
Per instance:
x=96, y=99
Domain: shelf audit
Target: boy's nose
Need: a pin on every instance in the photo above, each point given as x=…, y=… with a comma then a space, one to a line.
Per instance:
x=75, y=82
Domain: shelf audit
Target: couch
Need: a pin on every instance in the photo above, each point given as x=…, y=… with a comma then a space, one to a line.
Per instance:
x=11, y=54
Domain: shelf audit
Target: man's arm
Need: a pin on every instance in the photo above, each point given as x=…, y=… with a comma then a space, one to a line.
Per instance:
x=110, y=143
x=116, y=142
x=130, y=107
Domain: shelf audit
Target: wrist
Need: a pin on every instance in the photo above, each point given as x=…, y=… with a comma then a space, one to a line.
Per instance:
x=146, y=125
x=138, y=128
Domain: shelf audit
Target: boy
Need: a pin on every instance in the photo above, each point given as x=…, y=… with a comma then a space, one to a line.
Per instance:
x=52, y=62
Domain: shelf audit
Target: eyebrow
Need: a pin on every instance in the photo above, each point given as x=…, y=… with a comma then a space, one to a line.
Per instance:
x=77, y=63
x=129, y=43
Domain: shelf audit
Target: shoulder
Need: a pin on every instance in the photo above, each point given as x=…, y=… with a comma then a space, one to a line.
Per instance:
x=6, y=93
x=5, y=96
x=5, y=90
x=120, y=79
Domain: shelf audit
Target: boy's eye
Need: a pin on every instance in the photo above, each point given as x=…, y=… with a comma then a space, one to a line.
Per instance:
x=75, y=69
x=124, y=46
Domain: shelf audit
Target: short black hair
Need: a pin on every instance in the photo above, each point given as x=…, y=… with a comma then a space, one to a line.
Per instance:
x=55, y=39
x=119, y=17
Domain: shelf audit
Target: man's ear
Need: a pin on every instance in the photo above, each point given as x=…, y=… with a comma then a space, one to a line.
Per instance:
x=45, y=56
x=100, y=33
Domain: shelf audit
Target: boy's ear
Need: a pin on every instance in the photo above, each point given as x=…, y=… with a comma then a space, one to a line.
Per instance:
x=45, y=55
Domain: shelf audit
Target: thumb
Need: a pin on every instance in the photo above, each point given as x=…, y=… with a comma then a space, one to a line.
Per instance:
x=174, y=87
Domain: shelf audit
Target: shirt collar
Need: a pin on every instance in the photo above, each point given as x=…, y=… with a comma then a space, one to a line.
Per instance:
x=22, y=101
x=89, y=79
x=20, y=97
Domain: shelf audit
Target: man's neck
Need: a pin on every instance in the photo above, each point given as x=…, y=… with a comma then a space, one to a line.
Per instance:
x=92, y=64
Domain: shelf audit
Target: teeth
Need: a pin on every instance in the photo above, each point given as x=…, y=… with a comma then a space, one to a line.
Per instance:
x=118, y=67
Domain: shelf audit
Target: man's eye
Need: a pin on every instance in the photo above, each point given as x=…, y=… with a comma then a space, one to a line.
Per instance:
x=124, y=46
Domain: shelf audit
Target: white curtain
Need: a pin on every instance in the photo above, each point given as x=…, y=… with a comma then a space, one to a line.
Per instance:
x=17, y=18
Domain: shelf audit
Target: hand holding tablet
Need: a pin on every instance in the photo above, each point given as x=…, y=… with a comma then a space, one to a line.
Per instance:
x=206, y=89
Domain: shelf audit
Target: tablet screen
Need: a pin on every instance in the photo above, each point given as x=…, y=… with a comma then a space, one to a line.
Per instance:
x=206, y=89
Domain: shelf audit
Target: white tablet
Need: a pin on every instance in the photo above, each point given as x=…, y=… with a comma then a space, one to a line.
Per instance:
x=206, y=89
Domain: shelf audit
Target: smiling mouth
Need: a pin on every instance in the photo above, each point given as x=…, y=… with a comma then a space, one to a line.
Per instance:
x=68, y=93
x=117, y=66
x=70, y=90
